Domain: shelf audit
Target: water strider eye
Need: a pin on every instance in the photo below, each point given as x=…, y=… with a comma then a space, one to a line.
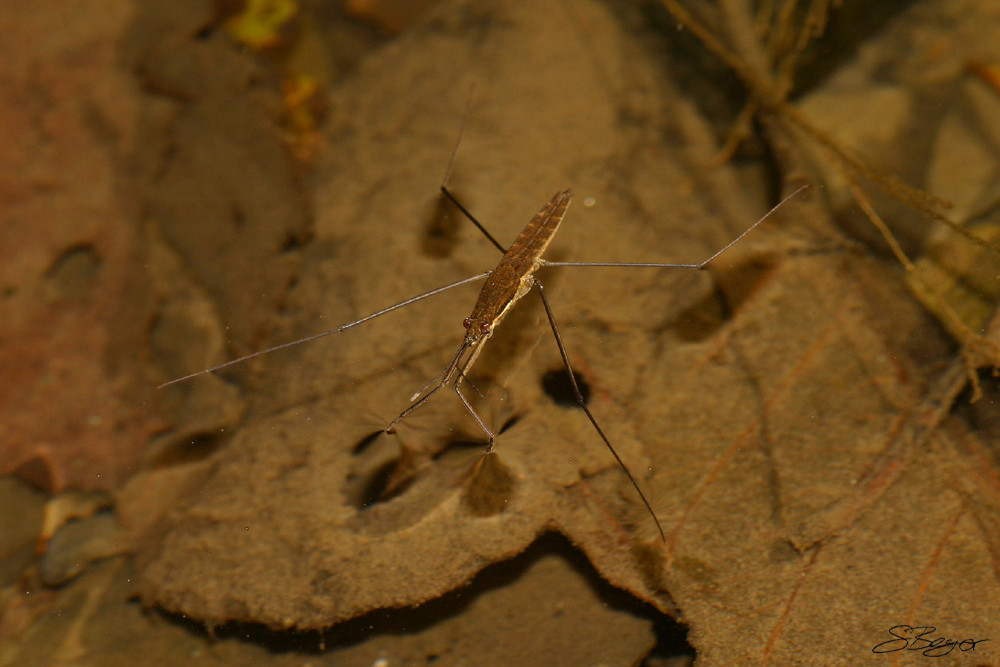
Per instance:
x=485, y=328
x=467, y=323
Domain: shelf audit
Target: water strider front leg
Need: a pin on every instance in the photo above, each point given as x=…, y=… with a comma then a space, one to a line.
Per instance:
x=455, y=370
x=475, y=415
x=446, y=376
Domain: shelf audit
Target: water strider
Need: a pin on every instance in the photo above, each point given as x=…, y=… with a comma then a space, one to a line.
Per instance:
x=513, y=277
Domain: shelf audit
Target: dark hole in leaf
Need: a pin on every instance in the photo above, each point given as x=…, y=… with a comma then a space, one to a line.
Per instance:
x=556, y=385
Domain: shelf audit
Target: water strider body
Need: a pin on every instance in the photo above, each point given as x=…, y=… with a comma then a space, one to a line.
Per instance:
x=513, y=277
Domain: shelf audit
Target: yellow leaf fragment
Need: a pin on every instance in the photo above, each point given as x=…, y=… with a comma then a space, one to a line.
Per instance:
x=260, y=24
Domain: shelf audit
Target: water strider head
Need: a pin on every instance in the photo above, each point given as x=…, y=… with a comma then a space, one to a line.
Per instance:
x=476, y=330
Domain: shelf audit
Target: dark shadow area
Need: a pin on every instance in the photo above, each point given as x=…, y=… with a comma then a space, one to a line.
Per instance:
x=365, y=443
x=395, y=622
x=376, y=486
x=671, y=644
x=983, y=416
x=374, y=478
x=492, y=487
x=73, y=273
x=442, y=229
x=701, y=319
x=194, y=447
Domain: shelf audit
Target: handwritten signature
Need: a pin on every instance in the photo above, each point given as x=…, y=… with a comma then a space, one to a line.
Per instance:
x=913, y=638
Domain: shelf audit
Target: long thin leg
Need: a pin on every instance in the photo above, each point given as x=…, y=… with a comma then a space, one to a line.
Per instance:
x=446, y=375
x=472, y=218
x=590, y=416
x=455, y=369
x=699, y=265
x=447, y=177
x=342, y=327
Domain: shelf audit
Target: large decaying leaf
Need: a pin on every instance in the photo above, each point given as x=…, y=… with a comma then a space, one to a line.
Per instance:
x=787, y=412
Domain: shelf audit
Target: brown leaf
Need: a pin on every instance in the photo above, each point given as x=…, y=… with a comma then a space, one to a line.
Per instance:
x=783, y=410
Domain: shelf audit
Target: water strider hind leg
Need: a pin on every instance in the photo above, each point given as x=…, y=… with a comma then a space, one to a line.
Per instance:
x=579, y=399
